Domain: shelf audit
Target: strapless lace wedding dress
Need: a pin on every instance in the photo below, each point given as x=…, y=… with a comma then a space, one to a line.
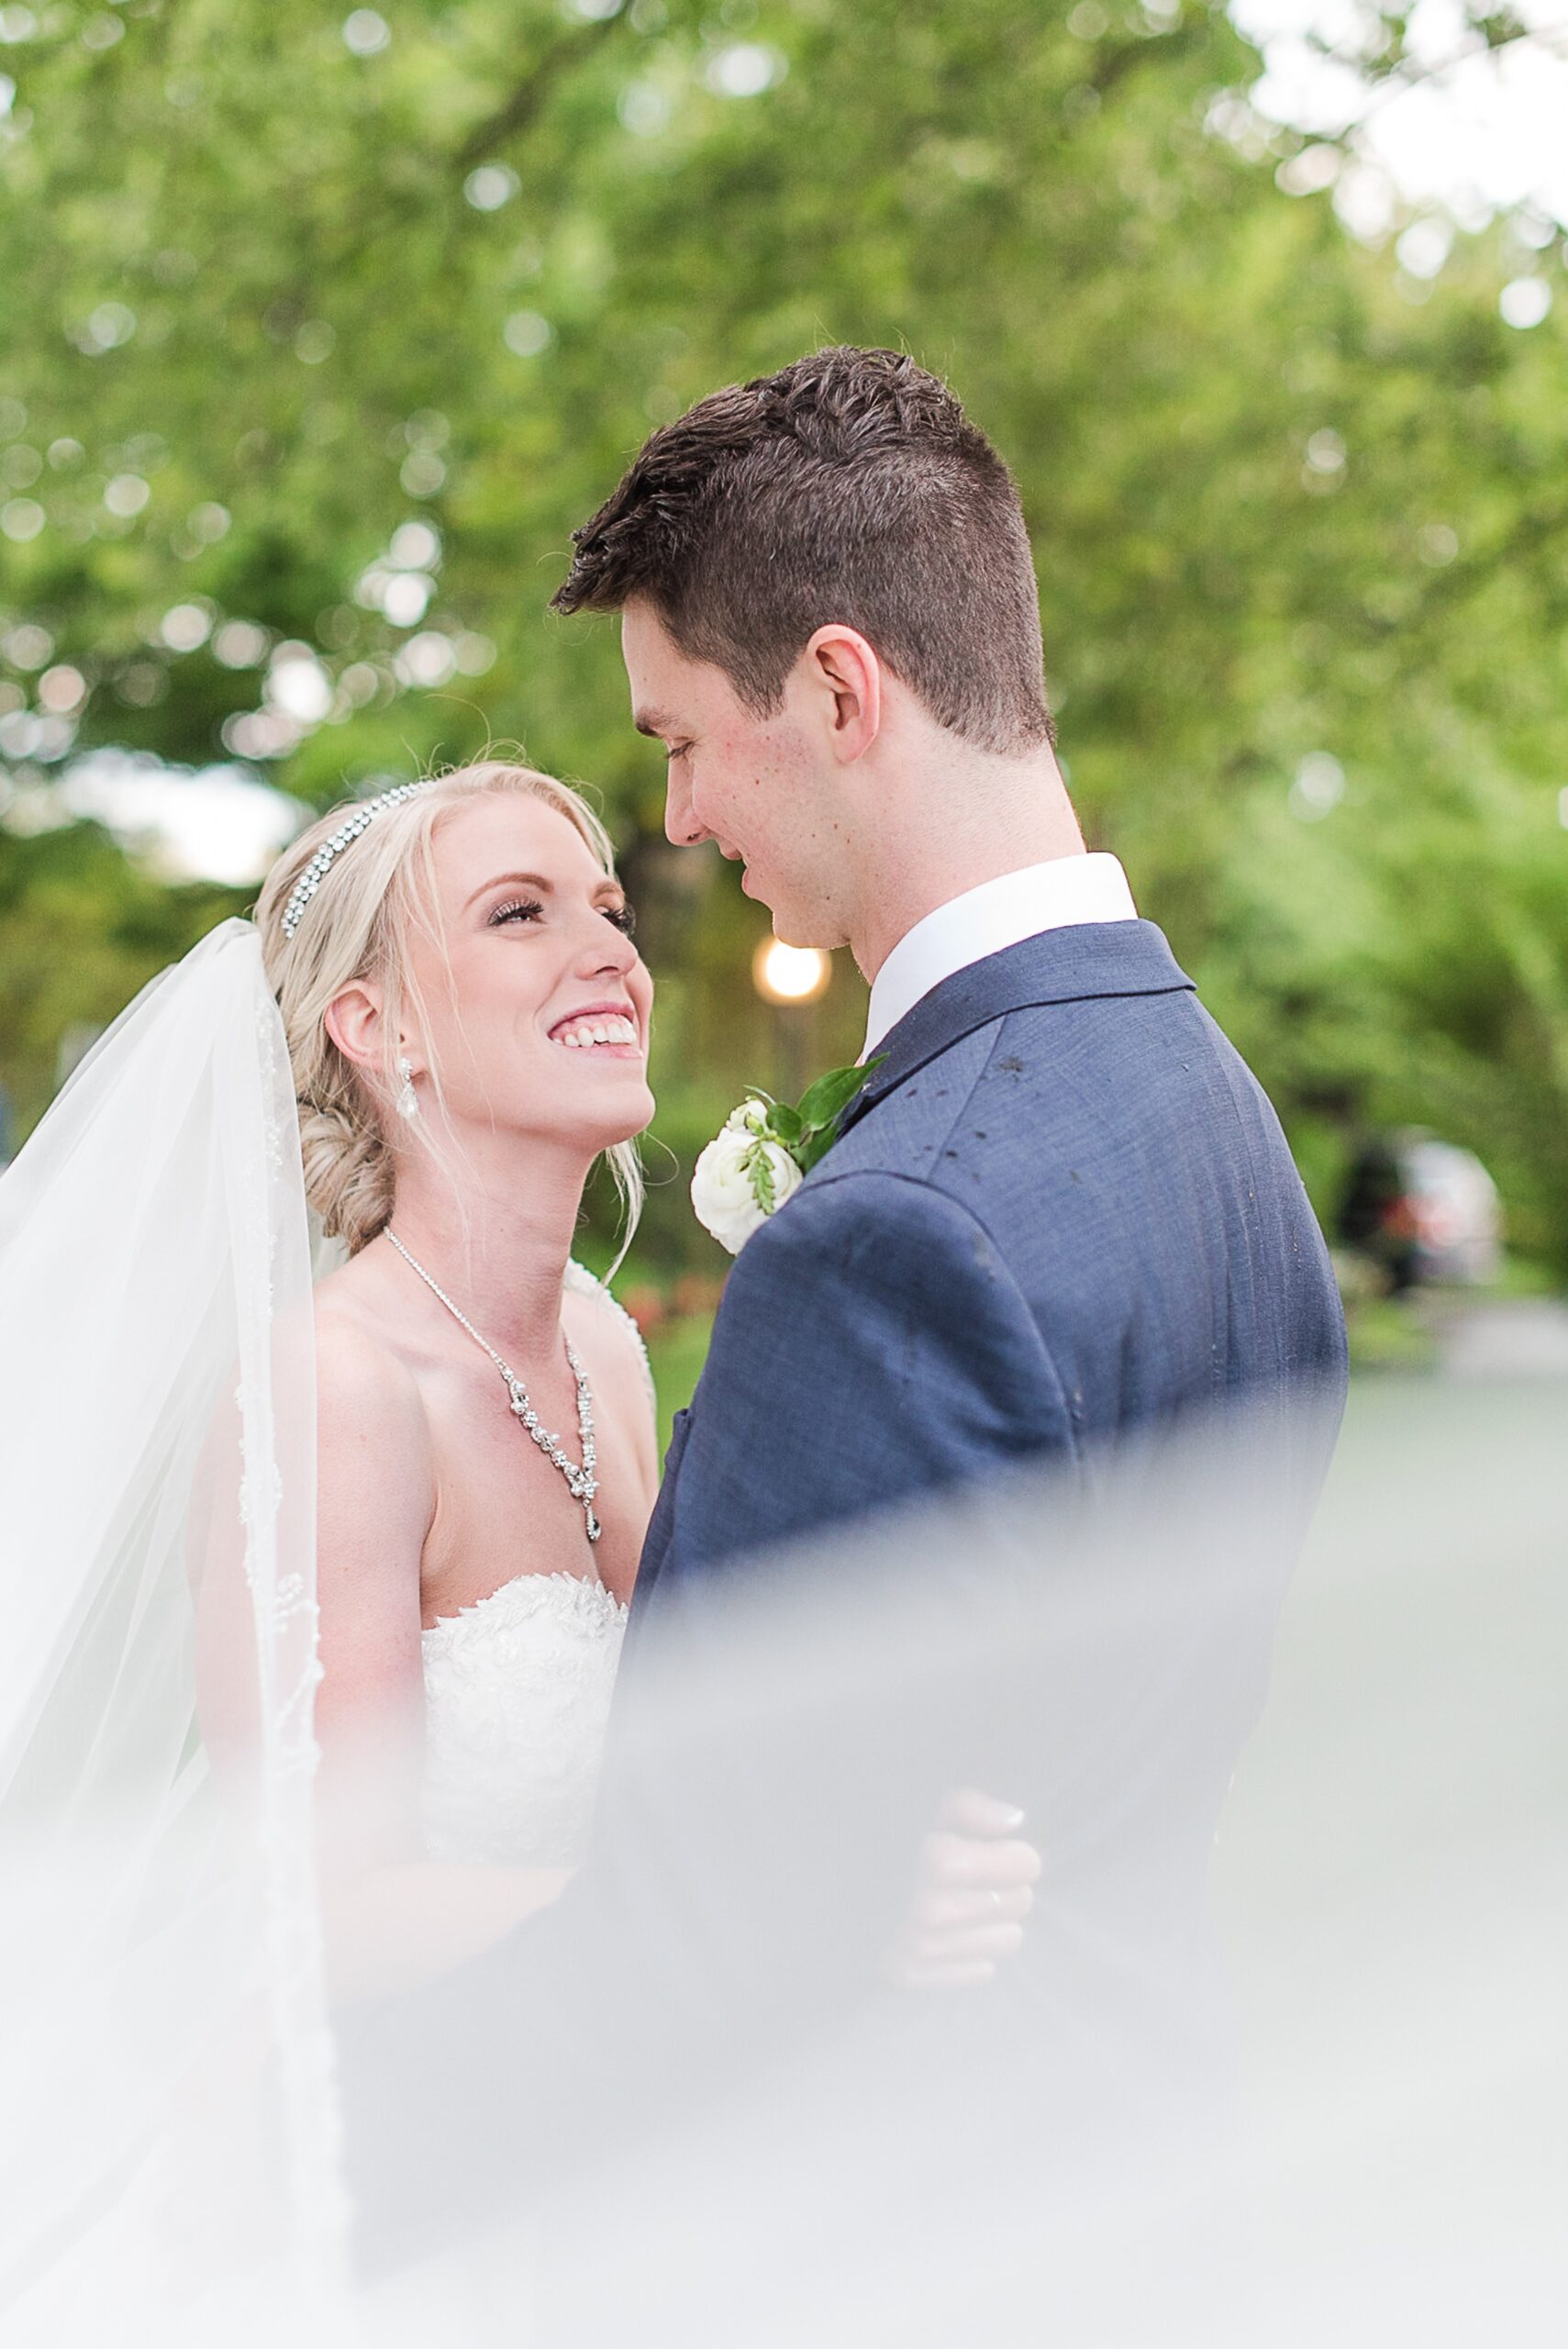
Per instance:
x=517, y=1691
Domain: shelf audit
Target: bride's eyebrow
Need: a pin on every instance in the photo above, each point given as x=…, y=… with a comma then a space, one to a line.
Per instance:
x=511, y=881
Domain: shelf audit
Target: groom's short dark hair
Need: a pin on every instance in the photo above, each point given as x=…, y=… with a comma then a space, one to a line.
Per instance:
x=850, y=487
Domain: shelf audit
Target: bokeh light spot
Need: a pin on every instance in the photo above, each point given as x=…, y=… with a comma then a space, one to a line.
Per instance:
x=108, y=325
x=27, y=646
x=365, y=33
x=1524, y=301
x=427, y=659
x=22, y=519
x=415, y=546
x=790, y=973
x=491, y=186
x=745, y=69
x=184, y=627
x=405, y=597
x=528, y=334
x=126, y=495
x=241, y=645
x=62, y=689
x=1319, y=786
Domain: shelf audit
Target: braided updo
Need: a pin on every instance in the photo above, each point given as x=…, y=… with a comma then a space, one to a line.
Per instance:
x=355, y=927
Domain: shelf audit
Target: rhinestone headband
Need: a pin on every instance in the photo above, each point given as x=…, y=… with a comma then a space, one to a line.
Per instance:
x=315, y=872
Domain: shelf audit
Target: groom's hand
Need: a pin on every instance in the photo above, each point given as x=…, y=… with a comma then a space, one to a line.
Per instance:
x=973, y=1895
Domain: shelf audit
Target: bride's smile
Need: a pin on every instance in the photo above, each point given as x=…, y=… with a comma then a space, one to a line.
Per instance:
x=599, y=1026
x=527, y=979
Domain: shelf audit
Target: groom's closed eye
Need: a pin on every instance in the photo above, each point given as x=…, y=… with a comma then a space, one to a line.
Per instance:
x=658, y=730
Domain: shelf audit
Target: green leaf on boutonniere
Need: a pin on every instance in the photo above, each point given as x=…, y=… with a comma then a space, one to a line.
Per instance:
x=822, y=1104
x=760, y=1174
x=809, y=1132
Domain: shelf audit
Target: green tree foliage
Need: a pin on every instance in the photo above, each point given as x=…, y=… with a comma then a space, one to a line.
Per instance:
x=82, y=928
x=282, y=281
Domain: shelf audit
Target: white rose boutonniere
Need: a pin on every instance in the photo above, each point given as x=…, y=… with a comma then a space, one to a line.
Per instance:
x=764, y=1152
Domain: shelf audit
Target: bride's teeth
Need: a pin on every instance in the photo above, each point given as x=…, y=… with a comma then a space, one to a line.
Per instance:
x=617, y=1028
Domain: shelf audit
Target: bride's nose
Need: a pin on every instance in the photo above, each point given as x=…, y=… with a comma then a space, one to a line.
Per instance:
x=604, y=950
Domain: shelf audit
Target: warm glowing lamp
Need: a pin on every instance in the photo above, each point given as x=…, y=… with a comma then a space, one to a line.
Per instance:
x=783, y=973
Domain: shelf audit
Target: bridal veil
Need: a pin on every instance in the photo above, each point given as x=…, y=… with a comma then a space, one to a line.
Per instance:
x=163, y=1963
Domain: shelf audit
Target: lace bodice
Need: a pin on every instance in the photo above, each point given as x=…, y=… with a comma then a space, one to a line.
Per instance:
x=516, y=1698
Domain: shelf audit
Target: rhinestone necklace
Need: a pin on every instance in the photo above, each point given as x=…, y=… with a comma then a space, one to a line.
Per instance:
x=582, y=1482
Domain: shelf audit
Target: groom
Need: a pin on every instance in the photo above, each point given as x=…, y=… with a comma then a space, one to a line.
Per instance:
x=1061, y=1210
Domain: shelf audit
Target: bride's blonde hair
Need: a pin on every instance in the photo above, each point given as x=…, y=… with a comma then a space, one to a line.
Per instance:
x=355, y=926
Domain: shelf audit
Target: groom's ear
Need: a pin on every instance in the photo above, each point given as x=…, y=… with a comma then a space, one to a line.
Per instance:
x=842, y=678
x=353, y=1019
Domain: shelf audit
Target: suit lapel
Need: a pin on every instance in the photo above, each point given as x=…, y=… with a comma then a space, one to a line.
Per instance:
x=1068, y=966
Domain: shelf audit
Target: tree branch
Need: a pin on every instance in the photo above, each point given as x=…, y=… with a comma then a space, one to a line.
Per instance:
x=1386, y=83
x=516, y=112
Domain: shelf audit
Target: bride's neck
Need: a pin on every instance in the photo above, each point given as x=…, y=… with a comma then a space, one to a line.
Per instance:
x=496, y=1232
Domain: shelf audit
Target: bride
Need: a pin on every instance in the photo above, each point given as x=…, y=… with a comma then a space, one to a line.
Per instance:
x=467, y=1019
x=315, y=1591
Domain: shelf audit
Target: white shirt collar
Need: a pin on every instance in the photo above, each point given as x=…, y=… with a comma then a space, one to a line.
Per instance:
x=998, y=914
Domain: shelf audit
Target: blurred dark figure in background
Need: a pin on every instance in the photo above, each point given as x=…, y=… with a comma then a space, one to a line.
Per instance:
x=1423, y=1210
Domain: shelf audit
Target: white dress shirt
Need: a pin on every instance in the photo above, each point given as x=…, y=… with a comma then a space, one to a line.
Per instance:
x=1001, y=912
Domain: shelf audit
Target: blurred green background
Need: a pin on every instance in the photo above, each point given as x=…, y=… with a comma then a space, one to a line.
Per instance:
x=323, y=328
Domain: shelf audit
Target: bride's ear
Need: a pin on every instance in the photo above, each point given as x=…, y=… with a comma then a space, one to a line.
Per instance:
x=353, y=1022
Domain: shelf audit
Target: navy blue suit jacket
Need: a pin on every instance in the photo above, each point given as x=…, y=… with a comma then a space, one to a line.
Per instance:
x=1060, y=1211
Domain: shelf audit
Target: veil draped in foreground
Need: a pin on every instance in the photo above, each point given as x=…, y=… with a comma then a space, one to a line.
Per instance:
x=683, y=2106
x=157, y=1463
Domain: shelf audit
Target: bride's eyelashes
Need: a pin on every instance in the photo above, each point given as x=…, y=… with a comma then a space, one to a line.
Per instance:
x=521, y=909
x=516, y=910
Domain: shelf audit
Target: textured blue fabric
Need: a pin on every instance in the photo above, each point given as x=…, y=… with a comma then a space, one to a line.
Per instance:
x=1061, y=1213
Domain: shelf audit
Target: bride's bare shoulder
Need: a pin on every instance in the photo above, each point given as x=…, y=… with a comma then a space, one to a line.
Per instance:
x=370, y=1413
x=375, y=1504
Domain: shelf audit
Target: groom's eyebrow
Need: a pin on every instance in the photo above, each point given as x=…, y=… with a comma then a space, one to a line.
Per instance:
x=652, y=722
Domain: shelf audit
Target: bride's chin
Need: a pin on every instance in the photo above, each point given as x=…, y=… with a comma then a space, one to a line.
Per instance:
x=632, y=1117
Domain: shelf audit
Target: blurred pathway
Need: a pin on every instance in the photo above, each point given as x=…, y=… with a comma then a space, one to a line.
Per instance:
x=1519, y=1337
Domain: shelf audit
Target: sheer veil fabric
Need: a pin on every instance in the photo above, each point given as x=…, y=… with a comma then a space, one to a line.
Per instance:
x=161, y=1981
x=682, y=2109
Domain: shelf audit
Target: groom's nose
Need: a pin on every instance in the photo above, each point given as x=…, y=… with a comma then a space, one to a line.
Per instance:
x=682, y=828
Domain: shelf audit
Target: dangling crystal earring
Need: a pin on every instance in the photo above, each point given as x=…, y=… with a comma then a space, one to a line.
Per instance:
x=407, y=1100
